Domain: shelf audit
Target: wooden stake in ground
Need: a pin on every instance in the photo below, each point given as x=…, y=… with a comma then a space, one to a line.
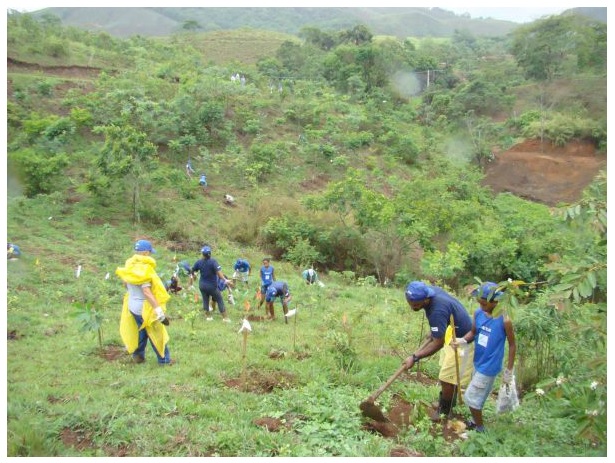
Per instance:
x=244, y=330
x=459, y=397
x=293, y=313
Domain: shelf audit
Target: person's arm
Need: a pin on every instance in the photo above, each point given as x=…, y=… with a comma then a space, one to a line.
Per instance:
x=193, y=270
x=222, y=277
x=469, y=336
x=149, y=297
x=427, y=350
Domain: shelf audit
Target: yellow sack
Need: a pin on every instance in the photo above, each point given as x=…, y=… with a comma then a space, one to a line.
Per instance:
x=139, y=270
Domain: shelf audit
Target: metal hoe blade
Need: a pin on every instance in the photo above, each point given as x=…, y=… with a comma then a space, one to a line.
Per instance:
x=371, y=410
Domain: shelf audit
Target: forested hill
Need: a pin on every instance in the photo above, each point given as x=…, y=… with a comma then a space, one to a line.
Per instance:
x=399, y=22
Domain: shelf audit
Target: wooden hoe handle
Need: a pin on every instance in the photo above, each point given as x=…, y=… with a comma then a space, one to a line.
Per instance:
x=381, y=389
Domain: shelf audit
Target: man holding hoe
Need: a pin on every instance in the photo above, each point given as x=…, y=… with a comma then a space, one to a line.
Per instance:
x=448, y=319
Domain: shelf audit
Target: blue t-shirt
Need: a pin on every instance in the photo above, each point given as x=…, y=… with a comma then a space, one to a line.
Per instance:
x=267, y=275
x=209, y=270
x=241, y=265
x=277, y=288
x=13, y=250
x=222, y=284
x=183, y=268
x=439, y=312
x=489, y=341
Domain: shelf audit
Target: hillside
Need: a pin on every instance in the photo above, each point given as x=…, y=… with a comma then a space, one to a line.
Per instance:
x=339, y=157
x=398, y=22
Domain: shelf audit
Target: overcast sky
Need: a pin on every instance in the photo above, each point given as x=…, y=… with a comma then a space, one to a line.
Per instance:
x=521, y=12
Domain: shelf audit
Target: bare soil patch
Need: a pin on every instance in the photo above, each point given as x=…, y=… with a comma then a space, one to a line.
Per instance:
x=545, y=173
x=112, y=352
x=82, y=72
x=77, y=438
x=261, y=382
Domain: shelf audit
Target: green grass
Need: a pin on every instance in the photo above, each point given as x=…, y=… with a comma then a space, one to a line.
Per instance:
x=65, y=399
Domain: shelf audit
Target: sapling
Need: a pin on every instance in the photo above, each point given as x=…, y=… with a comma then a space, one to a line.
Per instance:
x=91, y=319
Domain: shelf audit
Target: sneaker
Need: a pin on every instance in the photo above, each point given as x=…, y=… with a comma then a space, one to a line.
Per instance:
x=167, y=364
x=138, y=358
x=209, y=319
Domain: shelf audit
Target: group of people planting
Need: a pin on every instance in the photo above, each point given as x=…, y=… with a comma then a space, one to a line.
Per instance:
x=472, y=347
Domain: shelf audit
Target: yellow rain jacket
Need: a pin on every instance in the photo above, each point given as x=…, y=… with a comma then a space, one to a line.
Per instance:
x=139, y=270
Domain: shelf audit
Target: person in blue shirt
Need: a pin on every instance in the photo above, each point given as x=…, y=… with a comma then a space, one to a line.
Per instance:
x=275, y=290
x=182, y=269
x=490, y=335
x=242, y=270
x=210, y=272
x=440, y=307
x=203, y=181
x=267, y=273
x=12, y=251
x=225, y=285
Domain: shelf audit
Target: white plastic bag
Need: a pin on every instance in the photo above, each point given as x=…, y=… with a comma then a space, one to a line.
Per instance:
x=507, y=397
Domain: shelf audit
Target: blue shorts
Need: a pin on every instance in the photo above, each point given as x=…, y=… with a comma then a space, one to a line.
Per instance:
x=478, y=391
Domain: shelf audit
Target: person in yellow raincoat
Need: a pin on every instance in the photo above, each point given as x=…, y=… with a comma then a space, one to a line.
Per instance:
x=143, y=311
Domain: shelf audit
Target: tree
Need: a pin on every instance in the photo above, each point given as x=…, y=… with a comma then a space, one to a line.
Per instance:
x=545, y=48
x=126, y=155
x=191, y=25
x=358, y=35
x=321, y=39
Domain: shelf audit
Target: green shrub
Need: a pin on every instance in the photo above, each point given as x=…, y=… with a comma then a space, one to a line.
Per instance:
x=40, y=172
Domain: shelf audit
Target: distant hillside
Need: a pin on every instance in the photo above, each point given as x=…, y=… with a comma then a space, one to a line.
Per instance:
x=597, y=13
x=399, y=22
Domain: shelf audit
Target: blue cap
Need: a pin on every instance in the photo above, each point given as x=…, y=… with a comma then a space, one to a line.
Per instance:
x=270, y=294
x=417, y=291
x=144, y=245
x=206, y=250
x=489, y=291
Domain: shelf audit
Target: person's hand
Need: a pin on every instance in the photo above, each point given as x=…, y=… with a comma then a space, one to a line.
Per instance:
x=507, y=376
x=410, y=361
x=159, y=314
x=458, y=342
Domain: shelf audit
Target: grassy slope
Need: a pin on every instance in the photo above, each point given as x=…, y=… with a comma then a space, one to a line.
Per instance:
x=57, y=381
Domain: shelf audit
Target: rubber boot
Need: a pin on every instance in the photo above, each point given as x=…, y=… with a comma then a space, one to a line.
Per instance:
x=444, y=408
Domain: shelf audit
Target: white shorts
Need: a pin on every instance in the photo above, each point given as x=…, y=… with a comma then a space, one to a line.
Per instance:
x=243, y=276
